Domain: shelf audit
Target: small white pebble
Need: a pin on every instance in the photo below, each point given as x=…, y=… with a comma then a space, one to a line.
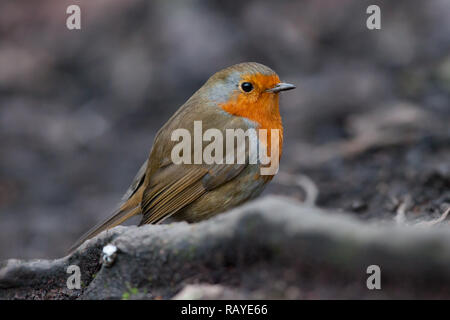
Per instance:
x=109, y=254
x=109, y=249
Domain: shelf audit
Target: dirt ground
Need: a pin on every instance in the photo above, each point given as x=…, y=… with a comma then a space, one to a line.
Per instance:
x=373, y=177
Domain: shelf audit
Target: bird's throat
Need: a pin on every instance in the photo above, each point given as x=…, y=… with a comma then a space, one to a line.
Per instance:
x=264, y=111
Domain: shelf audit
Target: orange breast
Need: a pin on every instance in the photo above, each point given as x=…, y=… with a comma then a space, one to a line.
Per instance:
x=260, y=107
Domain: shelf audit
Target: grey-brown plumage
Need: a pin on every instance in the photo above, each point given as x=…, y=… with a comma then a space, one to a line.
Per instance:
x=193, y=192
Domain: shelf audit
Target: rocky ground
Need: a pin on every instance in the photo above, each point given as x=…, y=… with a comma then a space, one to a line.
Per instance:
x=299, y=252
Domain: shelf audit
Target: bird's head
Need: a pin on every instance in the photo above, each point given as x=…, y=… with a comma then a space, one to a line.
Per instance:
x=249, y=90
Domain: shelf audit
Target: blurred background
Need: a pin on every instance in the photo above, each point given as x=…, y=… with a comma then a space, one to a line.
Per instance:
x=368, y=123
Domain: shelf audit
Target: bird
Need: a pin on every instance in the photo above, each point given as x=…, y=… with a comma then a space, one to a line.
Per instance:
x=242, y=96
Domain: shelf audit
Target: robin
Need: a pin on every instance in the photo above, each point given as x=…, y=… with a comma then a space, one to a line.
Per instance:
x=243, y=96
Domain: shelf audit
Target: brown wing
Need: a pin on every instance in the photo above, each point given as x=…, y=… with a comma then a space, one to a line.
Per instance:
x=176, y=186
x=172, y=187
x=137, y=182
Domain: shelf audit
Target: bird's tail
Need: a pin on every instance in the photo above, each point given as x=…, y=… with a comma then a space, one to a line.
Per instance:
x=118, y=217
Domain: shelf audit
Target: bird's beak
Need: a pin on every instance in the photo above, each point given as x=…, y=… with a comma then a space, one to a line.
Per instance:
x=281, y=87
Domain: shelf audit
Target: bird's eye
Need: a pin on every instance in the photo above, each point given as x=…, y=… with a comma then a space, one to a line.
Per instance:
x=246, y=86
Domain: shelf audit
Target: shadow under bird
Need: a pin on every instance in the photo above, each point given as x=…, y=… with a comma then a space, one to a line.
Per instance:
x=243, y=96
